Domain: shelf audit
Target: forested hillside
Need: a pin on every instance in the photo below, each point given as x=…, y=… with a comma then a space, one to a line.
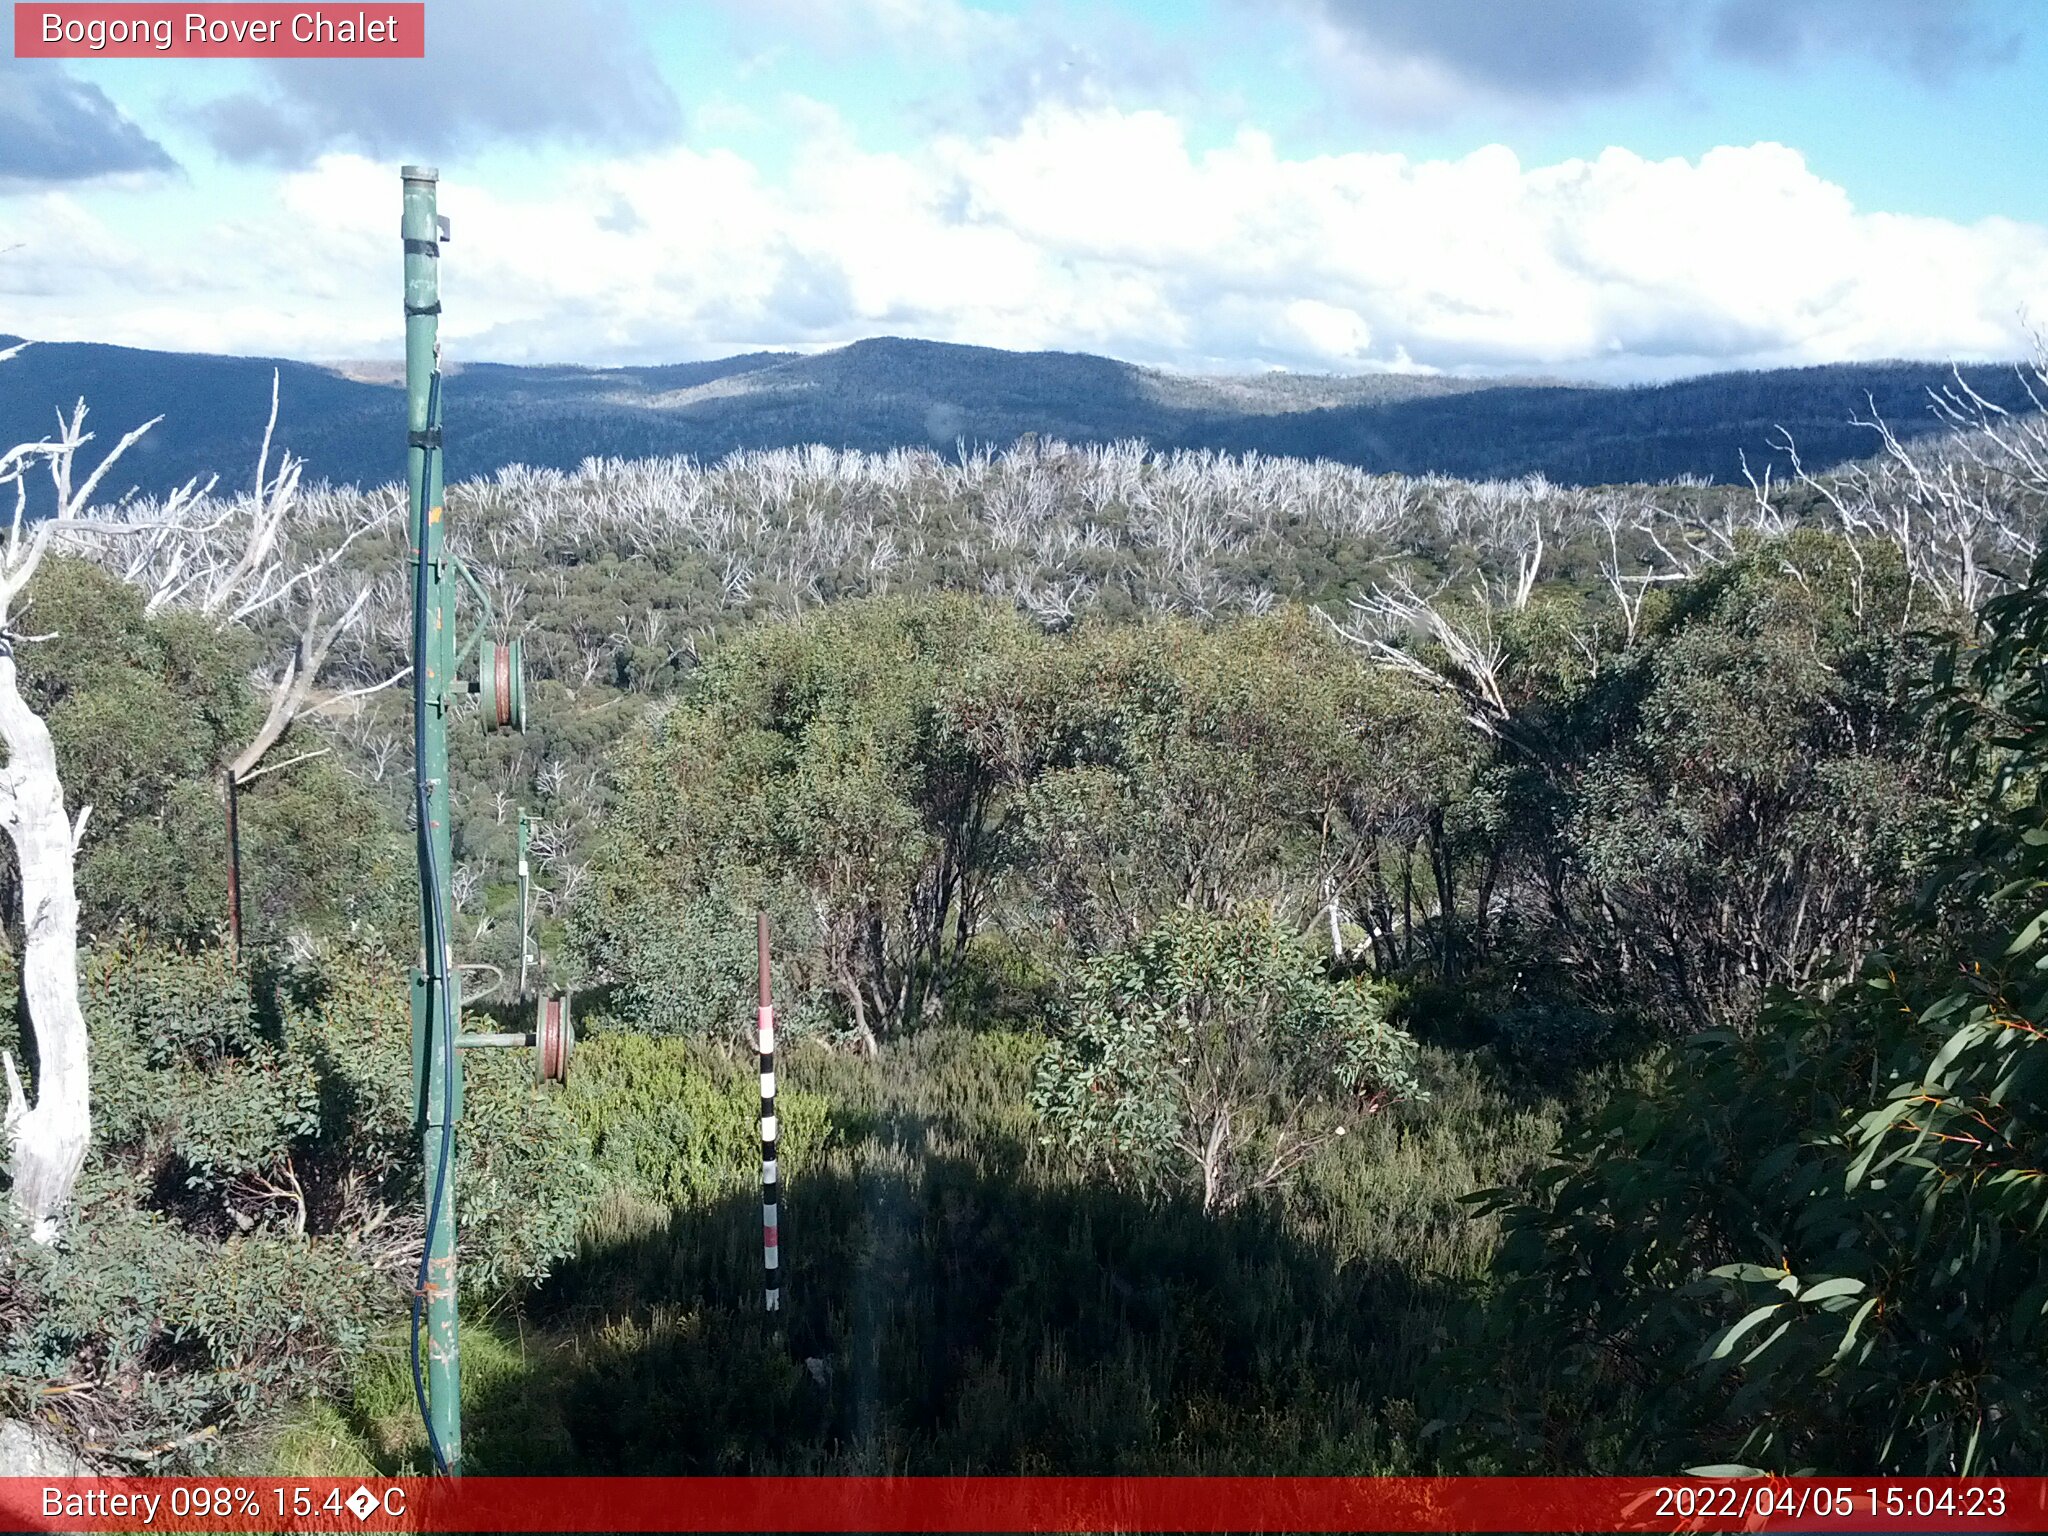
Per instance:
x=1285, y=968
x=885, y=394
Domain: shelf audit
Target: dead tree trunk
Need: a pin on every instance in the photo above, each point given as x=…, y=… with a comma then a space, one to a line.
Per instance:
x=49, y=1140
x=234, y=796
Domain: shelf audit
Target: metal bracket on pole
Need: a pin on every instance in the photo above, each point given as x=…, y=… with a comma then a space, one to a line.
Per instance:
x=484, y=619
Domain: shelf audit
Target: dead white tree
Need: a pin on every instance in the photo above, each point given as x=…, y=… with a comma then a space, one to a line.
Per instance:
x=1473, y=654
x=246, y=566
x=377, y=750
x=292, y=689
x=1528, y=551
x=47, y=1141
x=1629, y=589
x=245, y=563
x=1963, y=505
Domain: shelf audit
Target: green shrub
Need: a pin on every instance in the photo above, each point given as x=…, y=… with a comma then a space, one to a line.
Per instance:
x=1215, y=1052
x=1556, y=1037
x=1818, y=1244
x=182, y=1070
x=140, y=1331
x=688, y=970
x=525, y=1176
x=237, y=1238
x=523, y=1171
x=679, y=1122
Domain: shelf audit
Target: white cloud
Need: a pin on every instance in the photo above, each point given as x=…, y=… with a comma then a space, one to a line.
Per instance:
x=1087, y=229
x=520, y=75
x=1432, y=60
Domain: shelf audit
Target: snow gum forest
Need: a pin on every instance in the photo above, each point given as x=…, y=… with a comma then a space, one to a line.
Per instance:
x=1282, y=969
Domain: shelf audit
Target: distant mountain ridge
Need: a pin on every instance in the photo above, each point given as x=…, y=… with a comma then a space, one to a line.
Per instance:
x=889, y=392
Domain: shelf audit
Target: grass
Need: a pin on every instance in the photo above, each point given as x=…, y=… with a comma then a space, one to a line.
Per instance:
x=377, y=1431
x=319, y=1439
x=959, y=1299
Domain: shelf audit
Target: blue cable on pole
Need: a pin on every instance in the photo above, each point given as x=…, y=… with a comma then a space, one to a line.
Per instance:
x=437, y=946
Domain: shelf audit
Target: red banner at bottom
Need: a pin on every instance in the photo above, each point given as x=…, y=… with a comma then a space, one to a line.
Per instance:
x=1001, y=1504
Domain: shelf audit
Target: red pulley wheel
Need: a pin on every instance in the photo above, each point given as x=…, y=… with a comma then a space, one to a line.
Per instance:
x=554, y=1038
x=501, y=656
x=501, y=682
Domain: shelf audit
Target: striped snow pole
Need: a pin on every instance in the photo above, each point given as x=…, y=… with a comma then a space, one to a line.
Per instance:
x=771, y=1175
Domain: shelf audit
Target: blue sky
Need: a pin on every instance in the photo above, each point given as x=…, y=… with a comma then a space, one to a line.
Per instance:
x=1619, y=189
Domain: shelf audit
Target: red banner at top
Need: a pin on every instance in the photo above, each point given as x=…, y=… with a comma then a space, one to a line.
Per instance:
x=242, y=30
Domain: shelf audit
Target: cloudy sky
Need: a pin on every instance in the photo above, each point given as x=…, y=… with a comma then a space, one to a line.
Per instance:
x=1609, y=189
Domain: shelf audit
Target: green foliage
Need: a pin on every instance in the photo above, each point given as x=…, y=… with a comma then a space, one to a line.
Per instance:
x=678, y=1122
x=1820, y=1245
x=145, y=712
x=887, y=776
x=523, y=1175
x=811, y=770
x=1215, y=1054
x=691, y=971
x=185, y=1080
x=1556, y=1038
x=1754, y=787
x=1168, y=765
x=141, y=1331
x=237, y=1241
x=524, y=1179
x=141, y=711
x=958, y=1298
x=322, y=859
x=1659, y=820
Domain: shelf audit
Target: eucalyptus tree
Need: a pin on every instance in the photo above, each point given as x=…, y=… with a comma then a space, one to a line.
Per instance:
x=1818, y=1244
x=1753, y=806
x=812, y=767
x=1255, y=764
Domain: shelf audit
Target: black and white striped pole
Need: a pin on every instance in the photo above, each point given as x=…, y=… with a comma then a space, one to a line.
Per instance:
x=771, y=1175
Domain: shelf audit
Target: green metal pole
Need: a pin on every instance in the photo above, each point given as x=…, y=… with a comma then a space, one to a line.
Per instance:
x=435, y=994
